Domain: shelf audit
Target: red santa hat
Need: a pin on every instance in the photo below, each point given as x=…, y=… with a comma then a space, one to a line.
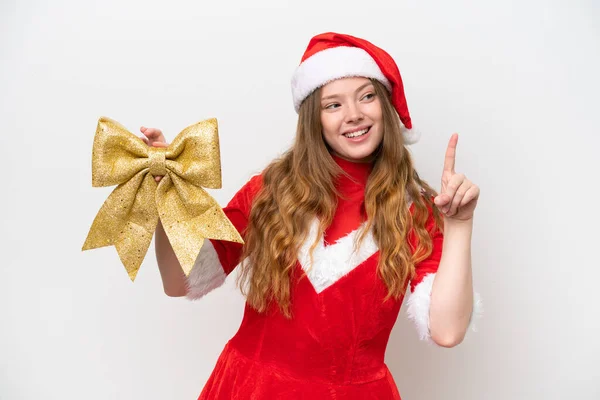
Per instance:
x=330, y=56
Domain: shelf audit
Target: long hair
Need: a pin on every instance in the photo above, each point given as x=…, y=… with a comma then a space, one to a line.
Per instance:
x=300, y=185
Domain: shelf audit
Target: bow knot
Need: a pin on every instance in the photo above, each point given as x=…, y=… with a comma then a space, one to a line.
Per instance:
x=129, y=216
x=158, y=161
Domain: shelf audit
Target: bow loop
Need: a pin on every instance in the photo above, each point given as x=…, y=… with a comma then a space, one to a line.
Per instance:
x=117, y=154
x=194, y=155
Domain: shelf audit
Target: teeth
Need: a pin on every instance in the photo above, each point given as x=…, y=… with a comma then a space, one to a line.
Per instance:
x=357, y=133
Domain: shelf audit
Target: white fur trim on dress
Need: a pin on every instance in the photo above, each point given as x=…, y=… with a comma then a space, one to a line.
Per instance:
x=331, y=64
x=207, y=273
x=418, y=305
x=334, y=261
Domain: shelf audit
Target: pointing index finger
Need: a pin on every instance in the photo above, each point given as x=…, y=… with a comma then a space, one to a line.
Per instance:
x=450, y=158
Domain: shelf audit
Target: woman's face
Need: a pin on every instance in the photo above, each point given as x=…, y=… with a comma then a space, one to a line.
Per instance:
x=352, y=118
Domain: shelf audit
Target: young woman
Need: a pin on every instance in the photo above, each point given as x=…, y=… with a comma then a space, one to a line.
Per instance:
x=335, y=230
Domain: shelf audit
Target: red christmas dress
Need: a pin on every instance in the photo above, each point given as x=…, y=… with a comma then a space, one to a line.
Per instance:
x=334, y=345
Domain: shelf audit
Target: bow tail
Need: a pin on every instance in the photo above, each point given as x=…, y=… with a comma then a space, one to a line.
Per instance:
x=127, y=220
x=189, y=215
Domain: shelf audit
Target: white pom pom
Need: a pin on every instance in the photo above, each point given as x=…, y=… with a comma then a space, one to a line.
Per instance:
x=411, y=136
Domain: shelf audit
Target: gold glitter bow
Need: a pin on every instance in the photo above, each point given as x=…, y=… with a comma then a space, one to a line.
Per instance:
x=130, y=214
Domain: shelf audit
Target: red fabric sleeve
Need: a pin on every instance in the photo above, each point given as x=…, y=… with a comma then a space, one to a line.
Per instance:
x=238, y=212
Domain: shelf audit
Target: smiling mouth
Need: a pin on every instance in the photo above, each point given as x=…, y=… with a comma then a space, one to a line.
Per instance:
x=357, y=133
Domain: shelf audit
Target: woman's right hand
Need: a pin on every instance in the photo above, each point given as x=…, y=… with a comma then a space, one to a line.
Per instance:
x=155, y=138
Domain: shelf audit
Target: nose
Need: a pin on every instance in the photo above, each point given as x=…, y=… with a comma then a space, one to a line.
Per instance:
x=354, y=113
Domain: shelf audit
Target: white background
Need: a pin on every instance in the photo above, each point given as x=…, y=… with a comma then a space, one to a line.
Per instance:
x=517, y=79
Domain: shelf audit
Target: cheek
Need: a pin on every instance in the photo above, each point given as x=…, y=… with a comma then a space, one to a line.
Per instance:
x=374, y=111
x=376, y=116
x=329, y=138
x=330, y=127
x=378, y=134
x=379, y=137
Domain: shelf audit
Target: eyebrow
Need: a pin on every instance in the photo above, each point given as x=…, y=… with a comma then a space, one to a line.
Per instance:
x=357, y=90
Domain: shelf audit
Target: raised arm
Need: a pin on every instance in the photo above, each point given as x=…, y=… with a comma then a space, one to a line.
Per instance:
x=217, y=258
x=443, y=303
x=173, y=278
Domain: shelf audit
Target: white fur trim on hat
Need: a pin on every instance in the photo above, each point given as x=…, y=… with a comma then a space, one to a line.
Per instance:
x=329, y=65
x=411, y=136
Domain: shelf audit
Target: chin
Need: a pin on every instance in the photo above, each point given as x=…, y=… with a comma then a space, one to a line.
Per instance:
x=360, y=152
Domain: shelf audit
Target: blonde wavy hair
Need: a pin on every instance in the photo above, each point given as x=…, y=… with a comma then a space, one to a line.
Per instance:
x=300, y=185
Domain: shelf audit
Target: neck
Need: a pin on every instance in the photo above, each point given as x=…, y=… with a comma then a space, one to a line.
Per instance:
x=356, y=173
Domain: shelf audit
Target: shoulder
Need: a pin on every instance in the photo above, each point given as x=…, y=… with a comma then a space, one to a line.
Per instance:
x=244, y=197
x=253, y=185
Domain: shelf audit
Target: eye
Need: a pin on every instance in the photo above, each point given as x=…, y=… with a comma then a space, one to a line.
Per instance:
x=368, y=96
x=331, y=106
